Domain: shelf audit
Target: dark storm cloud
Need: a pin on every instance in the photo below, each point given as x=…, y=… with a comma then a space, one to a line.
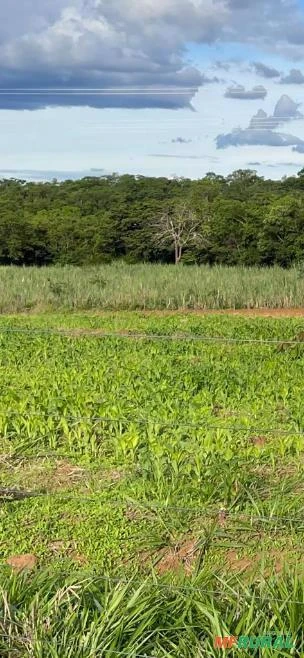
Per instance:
x=124, y=44
x=112, y=96
x=91, y=53
x=239, y=92
x=109, y=88
x=276, y=22
x=29, y=16
x=266, y=71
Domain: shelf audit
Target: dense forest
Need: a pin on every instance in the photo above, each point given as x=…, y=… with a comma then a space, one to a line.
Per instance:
x=243, y=219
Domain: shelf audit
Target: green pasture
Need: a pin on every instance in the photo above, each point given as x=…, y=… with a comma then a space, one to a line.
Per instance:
x=153, y=469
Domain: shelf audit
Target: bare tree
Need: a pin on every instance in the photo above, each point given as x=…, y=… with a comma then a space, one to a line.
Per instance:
x=178, y=227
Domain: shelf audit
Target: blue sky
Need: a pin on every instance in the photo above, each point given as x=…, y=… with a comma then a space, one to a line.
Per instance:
x=154, y=87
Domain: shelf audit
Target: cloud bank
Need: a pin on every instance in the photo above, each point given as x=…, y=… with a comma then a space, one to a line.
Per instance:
x=258, y=138
x=261, y=129
x=60, y=52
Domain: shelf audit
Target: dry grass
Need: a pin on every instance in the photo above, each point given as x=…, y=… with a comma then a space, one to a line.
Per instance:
x=149, y=287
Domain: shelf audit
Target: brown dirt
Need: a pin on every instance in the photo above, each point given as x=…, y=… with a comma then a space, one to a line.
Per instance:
x=35, y=475
x=277, y=560
x=79, y=558
x=281, y=559
x=66, y=474
x=251, y=312
x=276, y=474
x=240, y=564
x=114, y=475
x=246, y=312
x=62, y=476
x=258, y=441
x=27, y=561
x=181, y=557
x=222, y=518
x=134, y=514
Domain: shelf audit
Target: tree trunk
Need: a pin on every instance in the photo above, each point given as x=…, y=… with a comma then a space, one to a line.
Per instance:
x=178, y=254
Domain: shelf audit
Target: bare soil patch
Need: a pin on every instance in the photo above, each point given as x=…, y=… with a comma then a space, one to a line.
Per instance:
x=235, y=563
x=180, y=557
x=26, y=561
x=259, y=441
x=276, y=561
x=246, y=312
x=65, y=473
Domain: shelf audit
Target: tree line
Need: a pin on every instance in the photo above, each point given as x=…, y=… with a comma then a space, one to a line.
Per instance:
x=239, y=219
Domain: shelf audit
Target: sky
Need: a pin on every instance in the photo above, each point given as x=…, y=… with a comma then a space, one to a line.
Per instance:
x=151, y=87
